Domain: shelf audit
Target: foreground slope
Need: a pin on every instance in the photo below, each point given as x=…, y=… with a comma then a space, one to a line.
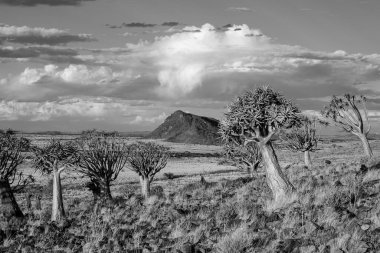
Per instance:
x=188, y=128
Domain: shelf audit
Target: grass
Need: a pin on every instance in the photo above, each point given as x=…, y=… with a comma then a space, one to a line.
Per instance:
x=336, y=209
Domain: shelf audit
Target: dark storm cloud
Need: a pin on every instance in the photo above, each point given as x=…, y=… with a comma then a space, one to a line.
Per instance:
x=142, y=25
x=170, y=24
x=138, y=24
x=113, y=26
x=42, y=2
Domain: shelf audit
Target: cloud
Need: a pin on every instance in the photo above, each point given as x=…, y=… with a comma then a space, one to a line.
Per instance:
x=113, y=26
x=83, y=112
x=34, y=111
x=143, y=25
x=42, y=2
x=219, y=63
x=51, y=81
x=204, y=66
x=183, y=59
x=196, y=62
x=242, y=9
x=39, y=35
x=171, y=23
x=35, y=51
x=138, y=24
x=154, y=119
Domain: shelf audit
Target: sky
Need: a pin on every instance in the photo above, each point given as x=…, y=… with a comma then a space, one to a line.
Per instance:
x=125, y=65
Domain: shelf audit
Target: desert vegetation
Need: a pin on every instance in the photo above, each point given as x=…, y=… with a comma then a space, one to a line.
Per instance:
x=302, y=138
x=345, y=113
x=256, y=116
x=53, y=159
x=101, y=159
x=245, y=157
x=134, y=195
x=147, y=159
x=11, y=178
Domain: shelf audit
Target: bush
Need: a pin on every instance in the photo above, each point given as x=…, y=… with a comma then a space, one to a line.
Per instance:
x=169, y=176
x=239, y=241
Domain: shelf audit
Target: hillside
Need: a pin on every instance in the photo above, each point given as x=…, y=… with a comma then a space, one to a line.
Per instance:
x=188, y=128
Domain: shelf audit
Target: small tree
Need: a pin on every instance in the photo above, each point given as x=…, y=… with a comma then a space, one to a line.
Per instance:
x=246, y=157
x=11, y=179
x=54, y=158
x=147, y=159
x=302, y=138
x=102, y=159
x=256, y=116
x=344, y=112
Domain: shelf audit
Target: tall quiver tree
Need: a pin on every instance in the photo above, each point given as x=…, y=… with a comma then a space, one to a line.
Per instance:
x=147, y=159
x=344, y=112
x=302, y=138
x=246, y=157
x=11, y=179
x=53, y=159
x=256, y=116
x=101, y=159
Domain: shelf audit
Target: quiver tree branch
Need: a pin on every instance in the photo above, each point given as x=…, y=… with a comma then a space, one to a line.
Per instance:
x=302, y=138
x=344, y=112
x=256, y=116
x=53, y=159
x=101, y=159
x=147, y=159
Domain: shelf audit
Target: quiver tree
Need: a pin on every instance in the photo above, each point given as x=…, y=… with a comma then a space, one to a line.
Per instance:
x=11, y=179
x=255, y=117
x=101, y=159
x=344, y=112
x=147, y=159
x=302, y=138
x=246, y=157
x=53, y=159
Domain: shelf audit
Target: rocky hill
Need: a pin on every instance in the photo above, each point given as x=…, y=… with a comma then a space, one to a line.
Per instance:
x=188, y=128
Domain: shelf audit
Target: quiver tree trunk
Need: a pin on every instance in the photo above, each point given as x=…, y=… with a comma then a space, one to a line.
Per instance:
x=8, y=205
x=277, y=180
x=106, y=191
x=307, y=159
x=366, y=146
x=58, y=211
x=145, y=186
x=94, y=187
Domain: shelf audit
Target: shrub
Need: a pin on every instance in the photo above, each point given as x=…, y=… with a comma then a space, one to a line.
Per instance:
x=239, y=241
